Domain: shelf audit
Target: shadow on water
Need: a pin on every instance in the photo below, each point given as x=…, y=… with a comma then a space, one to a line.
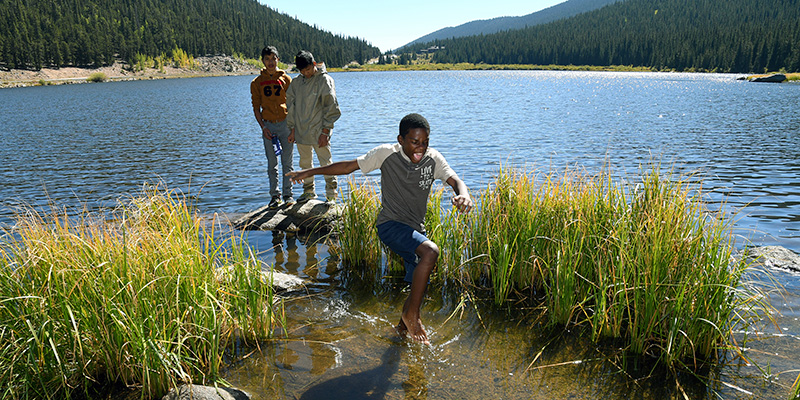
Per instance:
x=374, y=383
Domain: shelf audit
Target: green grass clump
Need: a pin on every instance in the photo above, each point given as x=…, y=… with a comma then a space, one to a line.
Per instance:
x=148, y=298
x=645, y=262
x=97, y=77
x=358, y=240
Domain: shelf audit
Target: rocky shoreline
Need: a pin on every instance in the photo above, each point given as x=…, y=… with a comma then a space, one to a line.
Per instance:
x=120, y=71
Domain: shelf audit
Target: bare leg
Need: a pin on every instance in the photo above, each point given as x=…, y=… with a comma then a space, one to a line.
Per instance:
x=410, y=322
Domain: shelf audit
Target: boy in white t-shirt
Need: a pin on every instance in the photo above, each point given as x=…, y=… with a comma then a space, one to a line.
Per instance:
x=408, y=169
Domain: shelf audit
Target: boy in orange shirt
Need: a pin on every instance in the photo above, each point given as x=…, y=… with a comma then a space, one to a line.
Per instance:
x=268, y=92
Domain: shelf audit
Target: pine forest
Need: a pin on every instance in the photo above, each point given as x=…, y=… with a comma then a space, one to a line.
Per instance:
x=683, y=35
x=54, y=33
x=739, y=36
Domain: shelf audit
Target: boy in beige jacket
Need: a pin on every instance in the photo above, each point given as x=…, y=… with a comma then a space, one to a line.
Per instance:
x=313, y=109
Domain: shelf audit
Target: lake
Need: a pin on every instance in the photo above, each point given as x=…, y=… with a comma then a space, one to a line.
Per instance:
x=88, y=145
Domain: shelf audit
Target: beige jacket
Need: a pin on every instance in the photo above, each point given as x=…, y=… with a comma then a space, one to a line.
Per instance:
x=312, y=106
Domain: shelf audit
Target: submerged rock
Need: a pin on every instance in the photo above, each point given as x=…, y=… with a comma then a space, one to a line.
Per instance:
x=198, y=392
x=283, y=281
x=280, y=281
x=310, y=216
x=775, y=257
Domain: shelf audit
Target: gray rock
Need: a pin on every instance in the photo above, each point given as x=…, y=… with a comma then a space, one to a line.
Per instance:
x=280, y=280
x=283, y=281
x=310, y=216
x=775, y=257
x=197, y=392
x=769, y=78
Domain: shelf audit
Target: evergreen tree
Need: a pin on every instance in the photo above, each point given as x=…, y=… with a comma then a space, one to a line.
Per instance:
x=55, y=33
x=685, y=35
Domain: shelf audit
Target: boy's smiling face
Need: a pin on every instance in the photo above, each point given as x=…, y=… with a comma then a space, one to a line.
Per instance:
x=415, y=144
x=270, y=62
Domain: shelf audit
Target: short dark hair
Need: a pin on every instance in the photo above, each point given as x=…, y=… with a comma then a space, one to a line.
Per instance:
x=413, y=121
x=303, y=59
x=269, y=50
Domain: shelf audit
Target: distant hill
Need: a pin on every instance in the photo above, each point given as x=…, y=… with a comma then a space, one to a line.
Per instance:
x=93, y=33
x=743, y=36
x=566, y=9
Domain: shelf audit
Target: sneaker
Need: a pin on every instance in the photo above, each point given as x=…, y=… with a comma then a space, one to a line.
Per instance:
x=288, y=200
x=306, y=197
x=275, y=202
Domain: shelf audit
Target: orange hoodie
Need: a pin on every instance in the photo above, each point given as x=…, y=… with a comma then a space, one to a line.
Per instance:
x=268, y=92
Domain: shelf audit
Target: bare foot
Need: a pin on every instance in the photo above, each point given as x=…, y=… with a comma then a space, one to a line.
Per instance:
x=413, y=329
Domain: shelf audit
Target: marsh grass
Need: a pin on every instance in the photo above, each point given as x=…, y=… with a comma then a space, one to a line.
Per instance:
x=640, y=261
x=795, y=393
x=138, y=299
x=360, y=245
x=645, y=261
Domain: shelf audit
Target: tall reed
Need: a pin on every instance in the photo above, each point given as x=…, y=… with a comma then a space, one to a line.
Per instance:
x=440, y=224
x=642, y=260
x=138, y=299
x=646, y=262
x=358, y=240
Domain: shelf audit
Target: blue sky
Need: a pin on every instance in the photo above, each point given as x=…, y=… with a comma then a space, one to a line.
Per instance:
x=391, y=24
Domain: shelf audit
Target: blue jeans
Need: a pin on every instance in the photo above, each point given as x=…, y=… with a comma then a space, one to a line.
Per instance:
x=403, y=240
x=282, y=131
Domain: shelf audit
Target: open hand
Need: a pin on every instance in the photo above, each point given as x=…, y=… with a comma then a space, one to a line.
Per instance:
x=296, y=176
x=462, y=203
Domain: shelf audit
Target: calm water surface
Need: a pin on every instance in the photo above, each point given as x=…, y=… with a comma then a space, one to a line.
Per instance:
x=87, y=145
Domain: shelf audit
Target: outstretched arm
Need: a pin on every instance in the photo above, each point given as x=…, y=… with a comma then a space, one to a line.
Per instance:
x=337, y=168
x=462, y=200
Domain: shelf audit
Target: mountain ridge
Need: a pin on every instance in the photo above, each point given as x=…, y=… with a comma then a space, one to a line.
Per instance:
x=738, y=36
x=566, y=9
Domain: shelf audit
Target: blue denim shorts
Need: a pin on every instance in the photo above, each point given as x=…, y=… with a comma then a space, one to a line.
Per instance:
x=403, y=240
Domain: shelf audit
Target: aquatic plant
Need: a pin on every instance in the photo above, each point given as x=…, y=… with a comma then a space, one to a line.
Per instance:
x=148, y=296
x=643, y=261
x=647, y=262
x=358, y=243
x=450, y=230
